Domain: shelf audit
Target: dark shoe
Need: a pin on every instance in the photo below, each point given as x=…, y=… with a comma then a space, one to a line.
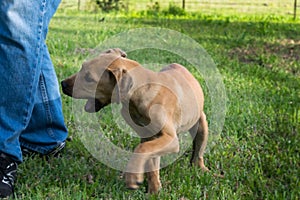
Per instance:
x=53, y=153
x=8, y=173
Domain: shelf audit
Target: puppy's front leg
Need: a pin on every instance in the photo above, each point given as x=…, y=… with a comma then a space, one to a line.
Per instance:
x=152, y=168
x=134, y=171
x=166, y=143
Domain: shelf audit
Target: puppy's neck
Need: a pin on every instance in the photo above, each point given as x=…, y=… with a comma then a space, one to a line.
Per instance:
x=130, y=64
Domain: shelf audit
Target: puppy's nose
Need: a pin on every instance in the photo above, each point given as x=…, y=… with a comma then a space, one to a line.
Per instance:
x=64, y=84
x=66, y=88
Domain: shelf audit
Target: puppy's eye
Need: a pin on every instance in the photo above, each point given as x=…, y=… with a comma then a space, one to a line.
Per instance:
x=88, y=78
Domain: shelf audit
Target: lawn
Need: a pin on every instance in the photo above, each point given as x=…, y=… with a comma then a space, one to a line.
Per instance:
x=257, y=153
x=282, y=7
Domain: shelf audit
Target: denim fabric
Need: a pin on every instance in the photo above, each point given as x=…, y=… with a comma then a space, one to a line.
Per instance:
x=30, y=104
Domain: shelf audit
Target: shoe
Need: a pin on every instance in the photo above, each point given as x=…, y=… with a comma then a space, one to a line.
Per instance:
x=8, y=175
x=53, y=153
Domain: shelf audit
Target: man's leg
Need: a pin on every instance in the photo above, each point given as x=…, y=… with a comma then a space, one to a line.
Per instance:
x=30, y=100
x=46, y=129
x=20, y=41
x=26, y=93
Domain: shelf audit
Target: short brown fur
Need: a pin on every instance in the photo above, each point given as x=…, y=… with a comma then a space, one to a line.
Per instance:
x=157, y=105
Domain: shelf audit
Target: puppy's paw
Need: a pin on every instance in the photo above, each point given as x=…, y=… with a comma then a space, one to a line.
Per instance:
x=133, y=180
x=204, y=169
x=202, y=166
x=154, y=187
x=200, y=163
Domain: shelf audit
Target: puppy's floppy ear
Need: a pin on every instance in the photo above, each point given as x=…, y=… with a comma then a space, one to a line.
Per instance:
x=123, y=54
x=122, y=83
x=117, y=73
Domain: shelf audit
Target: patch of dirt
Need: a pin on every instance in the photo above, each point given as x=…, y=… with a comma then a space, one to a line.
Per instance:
x=287, y=48
x=287, y=53
x=244, y=55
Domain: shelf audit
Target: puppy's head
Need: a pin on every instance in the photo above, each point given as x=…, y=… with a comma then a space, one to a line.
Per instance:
x=96, y=80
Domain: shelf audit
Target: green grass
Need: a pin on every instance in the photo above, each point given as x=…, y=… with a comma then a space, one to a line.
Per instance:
x=258, y=152
x=262, y=7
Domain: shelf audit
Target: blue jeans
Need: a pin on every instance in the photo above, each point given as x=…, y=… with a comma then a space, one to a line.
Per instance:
x=30, y=104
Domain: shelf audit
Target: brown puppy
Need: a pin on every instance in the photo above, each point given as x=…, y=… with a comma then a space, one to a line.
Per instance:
x=157, y=105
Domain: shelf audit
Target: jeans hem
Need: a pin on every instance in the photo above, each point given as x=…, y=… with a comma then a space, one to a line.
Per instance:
x=41, y=149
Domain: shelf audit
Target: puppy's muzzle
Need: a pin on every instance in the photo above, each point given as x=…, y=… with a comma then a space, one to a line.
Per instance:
x=92, y=105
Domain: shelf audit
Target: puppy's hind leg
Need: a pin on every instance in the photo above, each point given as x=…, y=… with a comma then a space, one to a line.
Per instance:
x=200, y=135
